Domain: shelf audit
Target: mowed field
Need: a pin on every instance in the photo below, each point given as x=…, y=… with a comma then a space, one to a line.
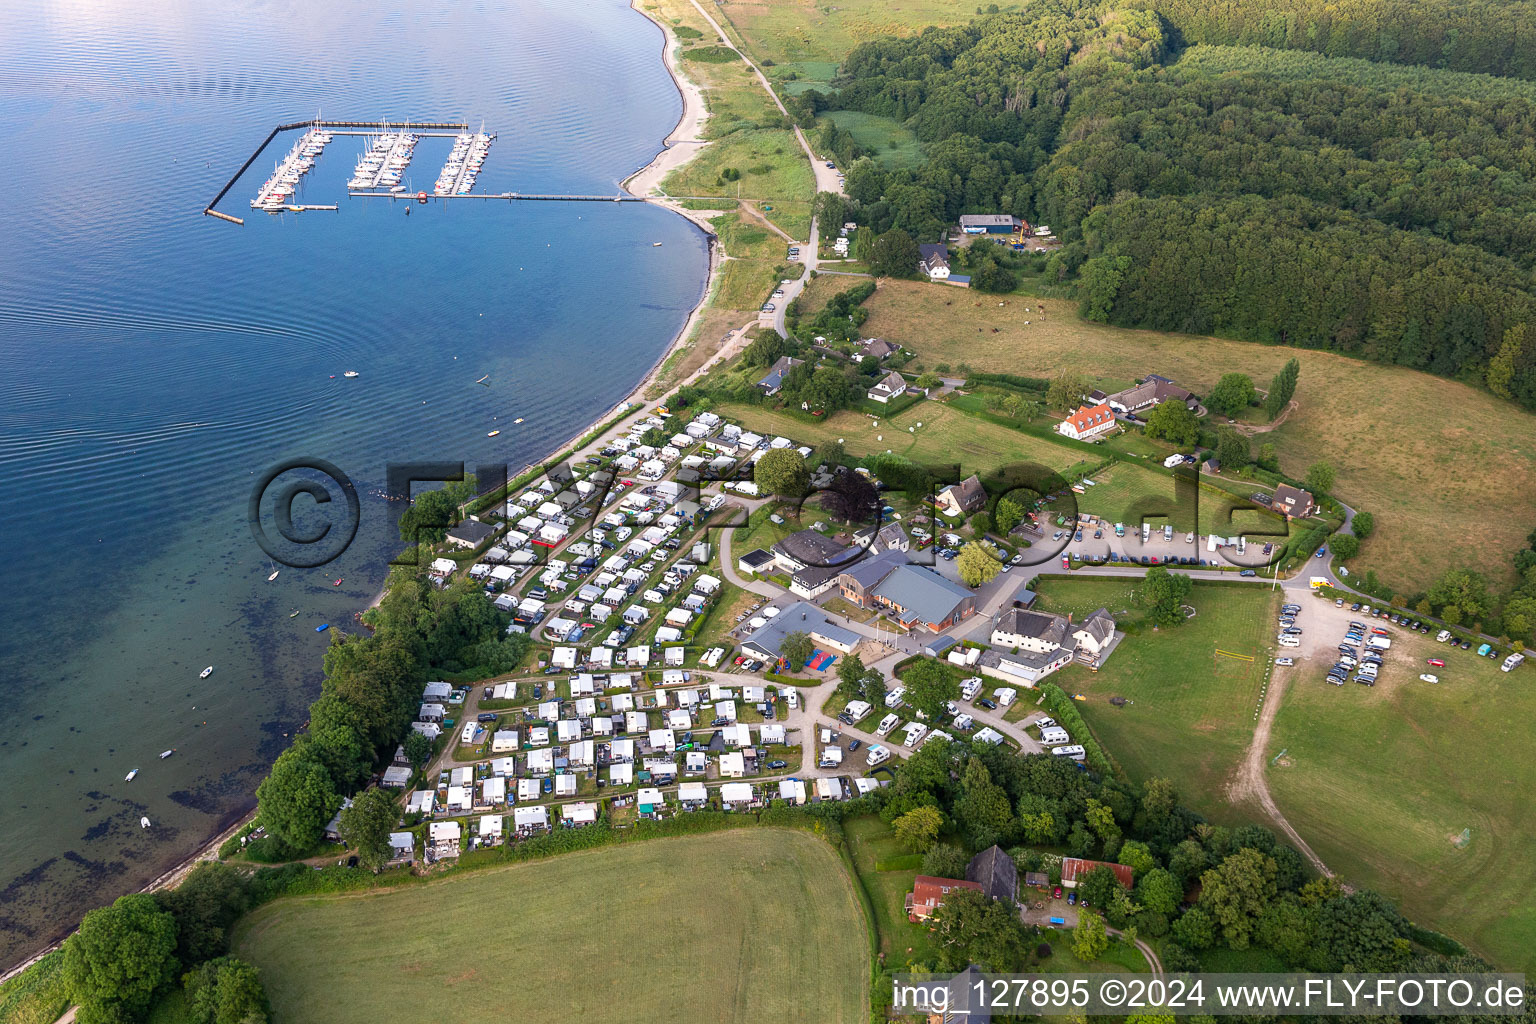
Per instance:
x=1409, y=447
x=749, y=925
x=1193, y=687
x=945, y=437
x=1382, y=781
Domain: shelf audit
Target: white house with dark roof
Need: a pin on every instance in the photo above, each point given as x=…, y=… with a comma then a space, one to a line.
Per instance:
x=892, y=385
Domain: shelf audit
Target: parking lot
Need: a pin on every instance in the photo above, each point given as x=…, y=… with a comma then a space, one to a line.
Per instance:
x=1324, y=625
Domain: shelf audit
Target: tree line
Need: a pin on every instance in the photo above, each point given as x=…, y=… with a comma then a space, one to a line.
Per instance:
x=1390, y=215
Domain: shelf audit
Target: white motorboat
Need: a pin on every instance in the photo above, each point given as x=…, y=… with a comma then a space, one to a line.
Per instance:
x=205, y=673
x=130, y=776
x=143, y=822
x=167, y=753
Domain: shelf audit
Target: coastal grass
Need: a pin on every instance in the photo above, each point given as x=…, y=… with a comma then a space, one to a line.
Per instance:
x=38, y=995
x=752, y=924
x=1382, y=780
x=769, y=163
x=890, y=144
x=746, y=284
x=732, y=94
x=744, y=237
x=1193, y=693
x=1446, y=493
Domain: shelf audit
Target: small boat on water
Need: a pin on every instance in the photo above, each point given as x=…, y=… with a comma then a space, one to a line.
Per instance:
x=143, y=822
x=293, y=614
x=337, y=583
x=322, y=627
x=167, y=753
x=482, y=380
x=349, y=373
x=655, y=245
x=493, y=433
x=518, y=420
x=205, y=673
x=129, y=777
x=273, y=576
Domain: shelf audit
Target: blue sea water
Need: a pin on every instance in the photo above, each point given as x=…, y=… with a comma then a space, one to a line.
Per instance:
x=153, y=362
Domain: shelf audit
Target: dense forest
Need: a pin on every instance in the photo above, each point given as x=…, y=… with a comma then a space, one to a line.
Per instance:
x=1314, y=199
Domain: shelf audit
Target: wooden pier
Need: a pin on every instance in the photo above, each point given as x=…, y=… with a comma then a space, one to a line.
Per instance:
x=542, y=197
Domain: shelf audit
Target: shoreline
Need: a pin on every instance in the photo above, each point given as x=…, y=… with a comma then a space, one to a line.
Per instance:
x=678, y=147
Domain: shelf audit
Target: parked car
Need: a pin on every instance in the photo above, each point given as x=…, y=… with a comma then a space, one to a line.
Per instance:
x=1247, y=572
x=990, y=705
x=776, y=765
x=1428, y=678
x=1072, y=898
x=854, y=745
x=1437, y=663
x=1285, y=661
x=1056, y=895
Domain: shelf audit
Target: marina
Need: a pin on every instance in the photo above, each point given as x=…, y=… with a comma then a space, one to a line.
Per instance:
x=275, y=192
x=464, y=162
x=384, y=163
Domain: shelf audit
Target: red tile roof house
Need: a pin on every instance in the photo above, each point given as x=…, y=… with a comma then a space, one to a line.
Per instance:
x=928, y=893
x=1088, y=422
x=1074, y=869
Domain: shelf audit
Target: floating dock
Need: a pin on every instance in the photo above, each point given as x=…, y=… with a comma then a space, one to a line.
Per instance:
x=276, y=191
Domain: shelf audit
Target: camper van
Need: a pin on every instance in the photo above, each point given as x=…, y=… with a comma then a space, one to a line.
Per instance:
x=1074, y=751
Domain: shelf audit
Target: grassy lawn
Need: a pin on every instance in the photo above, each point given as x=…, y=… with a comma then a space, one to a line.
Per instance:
x=701, y=928
x=1193, y=705
x=891, y=145
x=1383, y=780
x=744, y=237
x=731, y=602
x=732, y=94
x=1408, y=460
x=746, y=284
x=1121, y=492
x=902, y=942
x=946, y=435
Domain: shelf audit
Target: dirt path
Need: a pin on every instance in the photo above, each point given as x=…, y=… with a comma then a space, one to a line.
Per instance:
x=1273, y=424
x=757, y=215
x=1250, y=784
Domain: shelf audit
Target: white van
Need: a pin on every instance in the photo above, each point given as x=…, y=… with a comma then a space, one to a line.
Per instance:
x=1055, y=736
x=1289, y=641
x=793, y=698
x=1074, y=751
x=1379, y=643
x=887, y=723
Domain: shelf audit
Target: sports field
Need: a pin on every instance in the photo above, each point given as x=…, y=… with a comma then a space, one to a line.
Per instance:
x=1382, y=781
x=1445, y=493
x=1193, y=687
x=749, y=925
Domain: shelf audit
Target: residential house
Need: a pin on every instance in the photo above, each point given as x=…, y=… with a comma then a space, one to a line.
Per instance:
x=807, y=548
x=878, y=348
x=1074, y=869
x=996, y=873
x=1154, y=390
x=963, y=498
x=1088, y=423
x=933, y=262
x=1292, y=502
x=773, y=381
x=1039, y=643
x=928, y=894
x=471, y=533
x=892, y=385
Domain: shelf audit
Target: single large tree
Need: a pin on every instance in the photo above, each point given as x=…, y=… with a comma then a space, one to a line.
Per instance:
x=895, y=254
x=1320, y=478
x=783, y=472
x=121, y=956
x=1164, y=593
x=970, y=928
x=1232, y=449
x=796, y=649
x=851, y=498
x=919, y=827
x=296, y=800
x=365, y=827
x=930, y=684
x=1232, y=394
x=976, y=565
x=1173, y=422
x=1090, y=938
